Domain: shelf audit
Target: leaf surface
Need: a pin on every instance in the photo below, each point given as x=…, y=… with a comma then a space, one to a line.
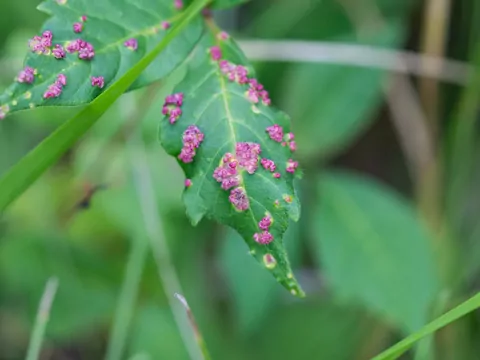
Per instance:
x=108, y=25
x=221, y=110
x=375, y=249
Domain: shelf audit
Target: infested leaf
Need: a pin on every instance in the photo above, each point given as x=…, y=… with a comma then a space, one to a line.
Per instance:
x=121, y=33
x=231, y=115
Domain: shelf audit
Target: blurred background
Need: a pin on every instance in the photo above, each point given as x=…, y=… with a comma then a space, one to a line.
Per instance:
x=387, y=134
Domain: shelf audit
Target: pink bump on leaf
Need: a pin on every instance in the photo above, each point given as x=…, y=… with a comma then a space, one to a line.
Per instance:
x=175, y=114
x=58, y=51
x=98, y=81
x=289, y=136
x=292, y=166
x=265, y=223
x=238, y=198
x=277, y=175
x=188, y=183
x=78, y=27
x=268, y=164
x=86, y=50
x=230, y=182
x=61, y=79
x=227, y=173
x=192, y=139
x=178, y=4
x=247, y=155
x=27, y=75
x=53, y=91
x=83, y=18
x=72, y=46
x=287, y=198
x=165, y=25
x=47, y=38
x=215, y=53
x=275, y=132
x=222, y=35
x=293, y=146
x=263, y=238
x=132, y=44
x=171, y=107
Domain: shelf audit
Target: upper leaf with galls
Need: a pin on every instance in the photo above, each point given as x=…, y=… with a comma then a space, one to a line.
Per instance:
x=241, y=173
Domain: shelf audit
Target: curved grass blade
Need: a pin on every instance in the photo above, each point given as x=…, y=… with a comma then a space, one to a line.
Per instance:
x=35, y=163
x=461, y=310
x=238, y=172
x=119, y=33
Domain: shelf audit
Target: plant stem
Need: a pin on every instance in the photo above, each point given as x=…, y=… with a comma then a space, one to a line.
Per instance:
x=41, y=320
x=128, y=295
x=155, y=234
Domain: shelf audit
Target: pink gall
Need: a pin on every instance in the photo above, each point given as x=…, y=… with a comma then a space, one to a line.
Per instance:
x=289, y=136
x=223, y=35
x=83, y=18
x=247, y=155
x=239, y=199
x=275, y=132
x=268, y=164
x=178, y=4
x=263, y=238
x=277, y=175
x=292, y=146
x=53, y=91
x=98, y=81
x=265, y=223
x=86, y=50
x=27, y=75
x=165, y=25
x=78, y=27
x=58, y=52
x=215, y=53
x=292, y=166
x=131, y=44
x=288, y=198
x=188, y=183
x=192, y=139
x=61, y=79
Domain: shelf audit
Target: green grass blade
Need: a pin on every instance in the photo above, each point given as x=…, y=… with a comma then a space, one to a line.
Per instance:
x=461, y=310
x=36, y=162
x=35, y=346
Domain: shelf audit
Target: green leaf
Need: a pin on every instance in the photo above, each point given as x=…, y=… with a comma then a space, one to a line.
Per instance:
x=333, y=104
x=24, y=173
x=373, y=248
x=321, y=330
x=221, y=110
x=461, y=310
x=108, y=26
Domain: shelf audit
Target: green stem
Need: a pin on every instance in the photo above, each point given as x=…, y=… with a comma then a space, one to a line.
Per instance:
x=128, y=295
x=155, y=233
x=43, y=313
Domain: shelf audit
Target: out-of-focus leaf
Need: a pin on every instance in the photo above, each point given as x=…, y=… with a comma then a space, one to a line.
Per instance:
x=222, y=111
x=108, y=26
x=332, y=104
x=373, y=248
x=87, y=293
x=310, y=331
x=463, y=309
x=155, y=333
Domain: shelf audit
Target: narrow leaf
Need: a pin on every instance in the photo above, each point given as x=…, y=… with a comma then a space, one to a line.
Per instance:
x=461, y=310
x=25, y=172
x=121, y=33
x=373, y=248
x=222, y=101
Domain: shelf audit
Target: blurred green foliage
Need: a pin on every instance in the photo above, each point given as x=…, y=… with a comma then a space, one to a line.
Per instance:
x=366, y=256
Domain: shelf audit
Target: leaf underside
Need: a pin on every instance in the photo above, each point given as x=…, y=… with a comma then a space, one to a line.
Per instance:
x=108, y=25
x=220, y=109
